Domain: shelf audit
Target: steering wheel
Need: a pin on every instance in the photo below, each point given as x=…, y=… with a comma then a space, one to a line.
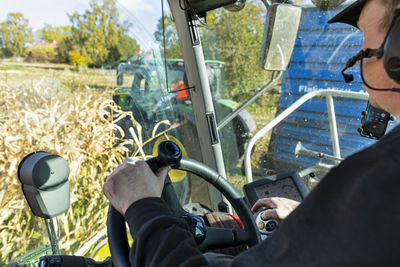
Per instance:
x=168, y=154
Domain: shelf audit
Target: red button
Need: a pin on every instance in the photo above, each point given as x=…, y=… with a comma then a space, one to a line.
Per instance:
x=374, y=126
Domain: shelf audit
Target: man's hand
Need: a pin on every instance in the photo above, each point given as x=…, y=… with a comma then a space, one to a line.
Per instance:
x=131, y=181
x=276, y=207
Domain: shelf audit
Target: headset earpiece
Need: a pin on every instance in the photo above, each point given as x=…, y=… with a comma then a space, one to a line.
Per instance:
x=391, y=55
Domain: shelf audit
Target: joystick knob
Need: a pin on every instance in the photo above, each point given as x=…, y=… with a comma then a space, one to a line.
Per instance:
x=169, y=154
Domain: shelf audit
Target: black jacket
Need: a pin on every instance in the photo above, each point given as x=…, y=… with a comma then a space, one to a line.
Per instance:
x=352, y=218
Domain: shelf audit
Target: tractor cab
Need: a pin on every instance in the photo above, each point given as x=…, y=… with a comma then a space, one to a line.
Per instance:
x=144, y=71
x=251, y=105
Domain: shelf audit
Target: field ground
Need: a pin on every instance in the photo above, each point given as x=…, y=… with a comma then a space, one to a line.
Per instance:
x=16, y=75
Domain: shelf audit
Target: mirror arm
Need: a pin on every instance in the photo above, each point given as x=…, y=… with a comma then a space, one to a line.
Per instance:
x=191, y=18
x=234, y=113
x=267, y=3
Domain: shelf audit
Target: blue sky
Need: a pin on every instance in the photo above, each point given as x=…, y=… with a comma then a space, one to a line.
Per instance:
x=142, y=13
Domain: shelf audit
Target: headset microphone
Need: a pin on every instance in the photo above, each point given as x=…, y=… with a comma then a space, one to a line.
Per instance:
x=378, y=53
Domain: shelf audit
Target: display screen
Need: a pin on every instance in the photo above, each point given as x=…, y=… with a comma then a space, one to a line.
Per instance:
x=284, y=187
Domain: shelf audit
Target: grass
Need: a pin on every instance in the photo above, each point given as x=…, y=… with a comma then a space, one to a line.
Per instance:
x=263, y=112
x=18, y=75
x=53, y=108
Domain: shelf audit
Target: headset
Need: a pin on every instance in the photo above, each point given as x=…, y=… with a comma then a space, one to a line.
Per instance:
x=391, y=54
x=375, y=121
x=389, y=51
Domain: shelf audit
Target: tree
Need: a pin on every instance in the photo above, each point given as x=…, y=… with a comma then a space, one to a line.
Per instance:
x=50, y=33
x=98, y=36
x=172, y=47
x=235, y=38
x=15, y=34
x=127, y=47
x=63, y=48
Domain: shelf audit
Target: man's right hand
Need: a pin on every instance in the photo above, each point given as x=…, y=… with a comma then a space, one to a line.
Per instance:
x=131, y=181
x=275, y=207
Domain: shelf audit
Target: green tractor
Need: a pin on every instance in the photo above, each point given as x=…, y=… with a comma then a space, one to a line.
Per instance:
x=157, y=103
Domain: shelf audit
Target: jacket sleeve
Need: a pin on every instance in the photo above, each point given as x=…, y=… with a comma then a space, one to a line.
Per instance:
x=160, y=239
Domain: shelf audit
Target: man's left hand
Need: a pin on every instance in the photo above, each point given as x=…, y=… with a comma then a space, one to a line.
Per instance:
x=275, y=207
x=131, y=181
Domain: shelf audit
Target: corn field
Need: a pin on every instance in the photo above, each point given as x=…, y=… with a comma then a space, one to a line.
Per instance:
x=81, y=127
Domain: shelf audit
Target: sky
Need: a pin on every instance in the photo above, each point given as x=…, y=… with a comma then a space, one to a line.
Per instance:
x=144, y=14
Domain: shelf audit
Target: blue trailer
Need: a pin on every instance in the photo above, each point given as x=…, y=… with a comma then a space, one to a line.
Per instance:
x=320, y=54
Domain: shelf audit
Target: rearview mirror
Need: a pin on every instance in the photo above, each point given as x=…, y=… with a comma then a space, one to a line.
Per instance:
x=202, y=6
x=280, y=35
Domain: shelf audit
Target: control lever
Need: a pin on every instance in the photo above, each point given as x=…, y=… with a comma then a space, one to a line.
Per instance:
x=169, y=154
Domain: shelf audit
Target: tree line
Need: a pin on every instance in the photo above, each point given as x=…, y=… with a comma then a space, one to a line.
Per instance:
x=94, y=38
x=97, y=38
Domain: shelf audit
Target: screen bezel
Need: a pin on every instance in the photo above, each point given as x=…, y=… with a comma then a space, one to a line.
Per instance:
x=251, y=192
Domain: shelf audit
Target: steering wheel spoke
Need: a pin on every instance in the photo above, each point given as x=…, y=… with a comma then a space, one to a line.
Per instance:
x=221, y=238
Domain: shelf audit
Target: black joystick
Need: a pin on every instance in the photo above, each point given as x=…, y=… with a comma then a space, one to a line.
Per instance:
x=169, y=154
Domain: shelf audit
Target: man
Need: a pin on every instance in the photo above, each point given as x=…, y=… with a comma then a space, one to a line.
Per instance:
x=350, y=218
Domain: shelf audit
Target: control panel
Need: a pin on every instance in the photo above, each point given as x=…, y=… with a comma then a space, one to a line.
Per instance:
x=374, y=122
x=288, y=185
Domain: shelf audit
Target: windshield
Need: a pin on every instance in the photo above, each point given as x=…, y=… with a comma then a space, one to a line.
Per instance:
x=104, y=84
x=91, y=88
x=318, y=134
